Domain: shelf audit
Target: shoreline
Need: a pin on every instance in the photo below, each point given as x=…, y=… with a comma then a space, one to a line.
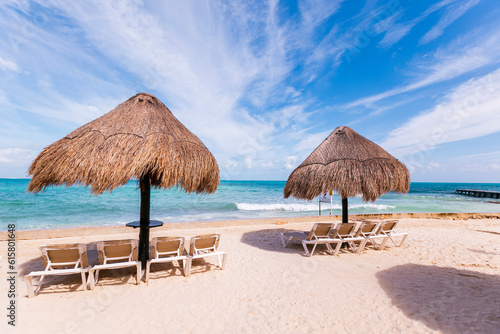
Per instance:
x=102, y=230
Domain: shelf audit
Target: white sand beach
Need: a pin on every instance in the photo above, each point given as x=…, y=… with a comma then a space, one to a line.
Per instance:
x=445, y=278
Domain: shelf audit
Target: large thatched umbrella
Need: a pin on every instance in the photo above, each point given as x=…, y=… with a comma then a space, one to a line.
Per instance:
x=350, y=164
x=139, y=139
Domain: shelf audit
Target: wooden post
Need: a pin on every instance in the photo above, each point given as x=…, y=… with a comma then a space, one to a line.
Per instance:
x=344, y=210
x=145, y=186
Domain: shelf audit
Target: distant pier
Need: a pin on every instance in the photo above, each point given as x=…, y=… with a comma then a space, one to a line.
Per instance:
x=478, y=193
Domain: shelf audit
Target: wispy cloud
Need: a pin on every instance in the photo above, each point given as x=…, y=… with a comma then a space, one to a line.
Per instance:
x=453, y=12
x=461, y=56
x=210, y=76
x=8, y=65
x=395, y=33
x=470, y=111
x=252, y=79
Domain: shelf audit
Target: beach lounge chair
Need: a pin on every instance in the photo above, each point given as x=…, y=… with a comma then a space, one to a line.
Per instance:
x=114, y=255
x=387, y=228
x=65, y=259
x=319, y=234
x=368, y=230
x=202, y=246
x=345, y=232
x=167, y=249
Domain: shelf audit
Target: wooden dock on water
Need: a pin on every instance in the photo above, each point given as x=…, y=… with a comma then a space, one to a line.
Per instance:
x=478, y=193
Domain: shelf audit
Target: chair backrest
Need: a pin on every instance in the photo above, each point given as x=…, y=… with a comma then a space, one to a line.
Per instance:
x=117, y=250
x=320, y=231
x=387, y=226
x=202, y=244
x=166, y=246
x=64, y=256
x=366, y=228
x=344, y=230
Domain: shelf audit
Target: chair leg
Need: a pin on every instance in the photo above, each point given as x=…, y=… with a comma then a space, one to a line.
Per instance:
x=29, y=286
x=305, y=248
x=139, y=273
x=283, y=242
x=337, y=248
x=91, y=280
x=383, y=243
x=314, y=247
x=329, y=248
x=84, y=281
x=184, y=263
x=187, y=270
x=394, y=242
x=361, y=246
x=39, y=285
x=223, y=263
x=148, y=265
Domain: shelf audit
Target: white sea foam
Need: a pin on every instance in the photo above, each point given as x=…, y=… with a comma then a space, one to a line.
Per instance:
x=305, y=207
x=372, y=206
x=277, y=207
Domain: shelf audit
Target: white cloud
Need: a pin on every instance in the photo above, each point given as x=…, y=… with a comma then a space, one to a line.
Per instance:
x=472, y=110
x=461, y=56
x=395, y=33
x=169, y=55
x=314, y=12
x=249, y=163
x=15, y=156
x=309, y=142
x=8, y=65
x=452, y=14
x=268, y=164
x=291, y=162
x=183, y=53
x=437, y=6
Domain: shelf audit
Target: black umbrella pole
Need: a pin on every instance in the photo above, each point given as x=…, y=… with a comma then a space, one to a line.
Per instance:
x=145, y=185
x=344, y=210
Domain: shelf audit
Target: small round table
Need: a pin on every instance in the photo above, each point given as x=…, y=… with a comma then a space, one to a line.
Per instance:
x=152, y=223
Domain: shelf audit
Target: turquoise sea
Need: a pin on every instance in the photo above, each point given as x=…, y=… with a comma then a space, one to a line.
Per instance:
x=75, y=206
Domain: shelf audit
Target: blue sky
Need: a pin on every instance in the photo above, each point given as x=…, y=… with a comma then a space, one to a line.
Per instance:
x=262, y=83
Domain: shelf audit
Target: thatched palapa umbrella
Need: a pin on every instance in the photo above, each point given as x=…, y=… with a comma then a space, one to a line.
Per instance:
x=350, y=164
x=139, y=139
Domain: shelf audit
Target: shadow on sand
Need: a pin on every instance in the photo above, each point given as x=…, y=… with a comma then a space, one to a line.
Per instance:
x=270, y=240
x=446, y=299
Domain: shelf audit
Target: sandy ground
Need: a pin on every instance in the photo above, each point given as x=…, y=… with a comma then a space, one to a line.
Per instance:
x=444, y=279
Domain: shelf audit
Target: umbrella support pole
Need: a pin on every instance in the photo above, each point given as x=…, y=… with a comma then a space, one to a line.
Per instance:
x=344, y=210
x=145, y=186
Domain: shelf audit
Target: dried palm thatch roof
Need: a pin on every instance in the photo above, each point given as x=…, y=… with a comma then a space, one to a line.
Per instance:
x=141, y=136
x=349, y=164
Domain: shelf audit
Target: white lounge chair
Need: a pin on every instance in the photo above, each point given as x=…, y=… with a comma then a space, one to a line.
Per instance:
x=202, y=246
x=319, y=234
x=167, y=249
x=114, y=255
x=65, y=259
x=368, y=230
x=387, y=228
x=345, y=232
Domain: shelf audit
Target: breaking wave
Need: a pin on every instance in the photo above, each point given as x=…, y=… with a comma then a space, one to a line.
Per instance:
x=305, y=207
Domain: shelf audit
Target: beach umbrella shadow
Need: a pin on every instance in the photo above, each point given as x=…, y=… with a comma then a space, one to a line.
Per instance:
x=351, y=165
x=445, y=299
x=270, y=240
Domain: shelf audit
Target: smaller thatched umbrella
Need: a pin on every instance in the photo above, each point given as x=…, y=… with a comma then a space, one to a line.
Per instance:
x=140, y=139
x=350, y=164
